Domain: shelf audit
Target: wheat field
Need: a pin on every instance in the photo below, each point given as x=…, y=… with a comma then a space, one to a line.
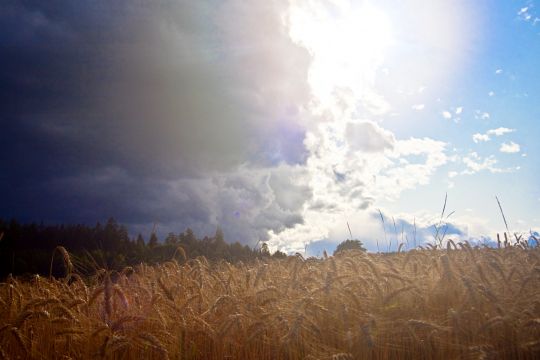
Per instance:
x=461, y=303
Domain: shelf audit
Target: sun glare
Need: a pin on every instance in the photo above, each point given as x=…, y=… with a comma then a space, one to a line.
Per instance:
x=347, y=44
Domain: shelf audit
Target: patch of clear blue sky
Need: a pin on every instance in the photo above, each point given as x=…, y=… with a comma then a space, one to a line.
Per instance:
x=511, y=44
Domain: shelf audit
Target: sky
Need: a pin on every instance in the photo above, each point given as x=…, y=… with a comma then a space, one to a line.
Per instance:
x=279, y=121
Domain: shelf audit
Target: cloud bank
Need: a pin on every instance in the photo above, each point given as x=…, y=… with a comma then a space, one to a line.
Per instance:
x=164, y=111
x=201, y=114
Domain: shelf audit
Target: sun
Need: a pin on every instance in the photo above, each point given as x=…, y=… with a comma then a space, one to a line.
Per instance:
x=347, y=44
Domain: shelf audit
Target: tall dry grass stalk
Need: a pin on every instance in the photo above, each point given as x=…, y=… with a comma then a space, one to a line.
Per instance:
x=463, y=302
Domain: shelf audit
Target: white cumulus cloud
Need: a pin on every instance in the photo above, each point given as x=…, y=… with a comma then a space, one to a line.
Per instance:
x=510, y=148
x=475, y=163
x=367, y=136
x=481, y=115
x=480, y=138
x=500, y=131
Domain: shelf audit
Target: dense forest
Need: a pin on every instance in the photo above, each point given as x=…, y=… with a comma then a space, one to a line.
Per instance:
x=29, y=248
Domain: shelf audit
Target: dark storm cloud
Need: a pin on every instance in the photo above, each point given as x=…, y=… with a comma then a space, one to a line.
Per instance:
x=122, y=108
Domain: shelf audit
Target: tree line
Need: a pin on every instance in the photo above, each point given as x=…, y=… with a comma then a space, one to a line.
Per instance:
x=28, y=248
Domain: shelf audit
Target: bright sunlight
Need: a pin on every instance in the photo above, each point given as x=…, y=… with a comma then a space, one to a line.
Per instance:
x=347, y=43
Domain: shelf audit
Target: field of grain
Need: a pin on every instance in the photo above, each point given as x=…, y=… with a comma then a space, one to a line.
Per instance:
x=459, y=303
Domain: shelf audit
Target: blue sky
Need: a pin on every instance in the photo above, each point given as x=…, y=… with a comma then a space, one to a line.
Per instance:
x=278, y=121
x=500, y=77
